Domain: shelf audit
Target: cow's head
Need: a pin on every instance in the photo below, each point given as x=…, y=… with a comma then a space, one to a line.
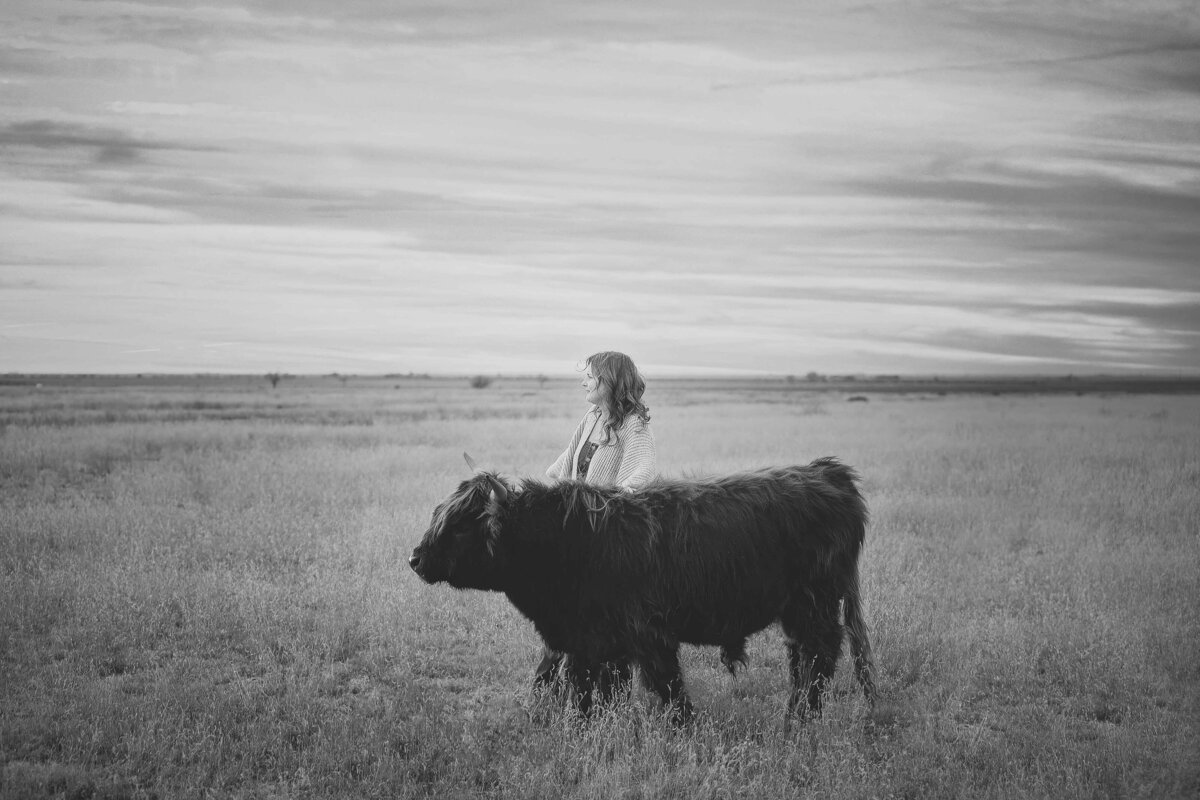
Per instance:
x=460, y=545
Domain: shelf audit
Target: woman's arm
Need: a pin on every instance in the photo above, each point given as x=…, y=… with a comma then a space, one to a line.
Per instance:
x=561, y=468
x=638, y=459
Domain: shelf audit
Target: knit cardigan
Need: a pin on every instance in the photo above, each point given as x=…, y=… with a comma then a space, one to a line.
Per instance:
x=627, y=461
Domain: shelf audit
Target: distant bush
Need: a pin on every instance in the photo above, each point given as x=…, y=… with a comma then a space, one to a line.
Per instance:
x=481, y=382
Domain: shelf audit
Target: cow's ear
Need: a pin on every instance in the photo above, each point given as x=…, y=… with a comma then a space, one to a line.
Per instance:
x=492, y=523
x=496, y=500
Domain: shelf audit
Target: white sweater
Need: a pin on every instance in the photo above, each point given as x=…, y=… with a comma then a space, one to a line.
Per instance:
x=627, y=461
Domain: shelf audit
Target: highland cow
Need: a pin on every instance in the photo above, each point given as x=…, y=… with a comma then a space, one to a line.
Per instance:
x=611, y=576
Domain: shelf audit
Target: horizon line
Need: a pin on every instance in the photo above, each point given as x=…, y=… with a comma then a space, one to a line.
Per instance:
x=715, y=376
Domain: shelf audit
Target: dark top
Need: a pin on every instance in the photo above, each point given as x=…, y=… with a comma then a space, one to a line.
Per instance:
x=585, y=458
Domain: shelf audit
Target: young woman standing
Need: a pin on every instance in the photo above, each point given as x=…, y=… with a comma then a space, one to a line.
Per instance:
x=611, y=446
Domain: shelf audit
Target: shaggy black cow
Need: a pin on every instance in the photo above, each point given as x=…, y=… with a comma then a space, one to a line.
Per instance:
x=610, y=576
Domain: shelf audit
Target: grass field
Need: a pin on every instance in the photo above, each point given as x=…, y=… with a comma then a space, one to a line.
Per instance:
x=204, y=593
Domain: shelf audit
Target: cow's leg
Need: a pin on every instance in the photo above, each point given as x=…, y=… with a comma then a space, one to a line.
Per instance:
x=796, y=620
x=613, y=680
x=662, y=675
x=580, y=675
x=814, y=645
x=733, y=655
x=549, y=669
x=823, y=647
x=798, y=668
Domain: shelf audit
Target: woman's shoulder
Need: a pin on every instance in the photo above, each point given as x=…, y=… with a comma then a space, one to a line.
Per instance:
x=635, y=422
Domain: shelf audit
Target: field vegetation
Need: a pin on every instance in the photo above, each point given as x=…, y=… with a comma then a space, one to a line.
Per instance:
x=204, y=593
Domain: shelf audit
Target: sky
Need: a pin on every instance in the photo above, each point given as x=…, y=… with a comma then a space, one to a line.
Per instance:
x=457, y=186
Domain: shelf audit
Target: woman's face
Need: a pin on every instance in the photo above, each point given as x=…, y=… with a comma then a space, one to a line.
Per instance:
x=597, y=392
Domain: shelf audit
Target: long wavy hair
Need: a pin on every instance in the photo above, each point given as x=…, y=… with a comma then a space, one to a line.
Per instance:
x=625, y=388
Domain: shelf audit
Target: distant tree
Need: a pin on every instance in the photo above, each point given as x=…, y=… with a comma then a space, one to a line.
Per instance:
x=274, y=377
x=481, y=382
x=541, y=379
x=812, y=377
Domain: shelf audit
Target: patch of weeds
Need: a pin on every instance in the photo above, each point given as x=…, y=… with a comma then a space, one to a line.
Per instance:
x=1018, y=541
x=114, y=660
x=907, y=667
x=338, y=680
x=22, y=779
x=885, y=718
x=1105, y=707
x=351, y=640
x=167, y=620
x=281, y=652
x=38, y=735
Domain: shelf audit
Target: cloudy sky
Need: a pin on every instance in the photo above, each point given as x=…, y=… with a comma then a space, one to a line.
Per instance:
x=775, y=186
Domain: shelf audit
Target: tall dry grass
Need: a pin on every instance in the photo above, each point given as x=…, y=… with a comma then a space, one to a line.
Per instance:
x=204, y=594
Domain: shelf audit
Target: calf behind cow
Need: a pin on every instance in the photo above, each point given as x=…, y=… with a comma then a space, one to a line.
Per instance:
x=606, y=575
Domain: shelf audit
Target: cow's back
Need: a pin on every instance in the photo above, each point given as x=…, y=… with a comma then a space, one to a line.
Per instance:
x=733, y=551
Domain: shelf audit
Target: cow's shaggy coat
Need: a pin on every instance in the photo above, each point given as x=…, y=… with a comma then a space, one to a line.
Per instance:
x=610, y=576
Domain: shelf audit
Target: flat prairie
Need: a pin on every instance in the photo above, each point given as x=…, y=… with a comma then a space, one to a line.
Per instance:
x=204, y=594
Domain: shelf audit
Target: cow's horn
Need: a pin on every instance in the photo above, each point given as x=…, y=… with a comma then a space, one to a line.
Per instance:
x=499, y=488
x=470, y=462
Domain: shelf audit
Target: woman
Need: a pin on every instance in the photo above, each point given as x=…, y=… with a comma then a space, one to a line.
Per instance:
x=612, y=446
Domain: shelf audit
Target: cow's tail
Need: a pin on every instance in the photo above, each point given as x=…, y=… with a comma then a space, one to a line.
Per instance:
x=860, y=645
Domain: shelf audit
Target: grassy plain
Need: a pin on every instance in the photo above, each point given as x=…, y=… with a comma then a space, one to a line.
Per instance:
x=204, y=593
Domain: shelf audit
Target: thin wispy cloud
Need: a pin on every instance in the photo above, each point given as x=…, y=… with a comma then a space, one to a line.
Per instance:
x=772, y=187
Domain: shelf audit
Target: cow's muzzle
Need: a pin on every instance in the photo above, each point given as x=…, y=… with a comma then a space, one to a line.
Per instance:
x=420, y=565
